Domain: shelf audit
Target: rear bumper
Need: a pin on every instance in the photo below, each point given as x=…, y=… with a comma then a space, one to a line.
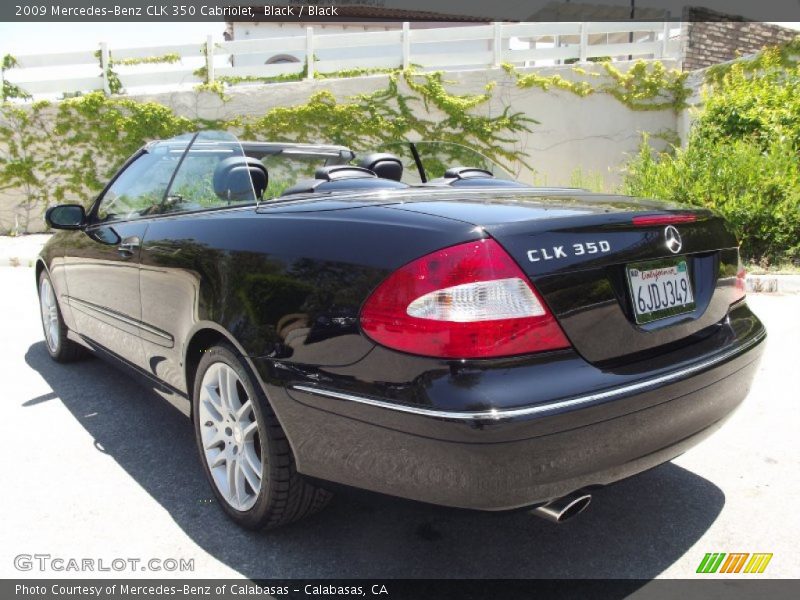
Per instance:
x=524, y=455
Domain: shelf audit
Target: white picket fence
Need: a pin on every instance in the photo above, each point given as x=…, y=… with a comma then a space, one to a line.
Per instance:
x=488, y=46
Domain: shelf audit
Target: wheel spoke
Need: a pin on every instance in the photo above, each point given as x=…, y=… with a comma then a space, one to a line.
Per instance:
x=249, y=431
x=234, y=482
x=243, y=410
x=212, y=398
x=249, y=473
x=231, y=394
x=220, y=459
x=252, y=460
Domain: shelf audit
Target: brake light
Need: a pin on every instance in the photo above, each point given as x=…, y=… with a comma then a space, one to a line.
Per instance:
x=465, y=301
x=649, y=220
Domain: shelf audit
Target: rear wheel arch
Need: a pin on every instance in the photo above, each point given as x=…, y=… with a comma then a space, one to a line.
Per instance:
x=205, y=336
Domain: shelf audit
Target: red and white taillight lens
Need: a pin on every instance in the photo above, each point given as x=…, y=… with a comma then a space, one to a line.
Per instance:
x=466, y=301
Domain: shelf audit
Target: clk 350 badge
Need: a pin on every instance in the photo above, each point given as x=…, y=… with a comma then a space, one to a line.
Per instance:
x=599, y=247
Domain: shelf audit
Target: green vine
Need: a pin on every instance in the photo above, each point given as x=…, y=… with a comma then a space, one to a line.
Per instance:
x=170, y=58
x=232, y=80
x=644, y=86
x=49, y=152
x=581, y=88
x=214, y=87
x=114, y=83
x=784, y=56
x=9, y=89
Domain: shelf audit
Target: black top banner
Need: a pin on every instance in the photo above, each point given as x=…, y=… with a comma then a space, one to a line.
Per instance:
x=396, y=10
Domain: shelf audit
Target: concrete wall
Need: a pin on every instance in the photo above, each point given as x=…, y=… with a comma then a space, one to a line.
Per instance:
x=593, y=134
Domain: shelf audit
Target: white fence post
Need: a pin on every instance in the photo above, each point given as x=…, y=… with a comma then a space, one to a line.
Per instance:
x=497, y=46
x=665, y=41
x=406, y=45
x=310, y=52
x=209, y=59
x=584, y=45
x=104, y=67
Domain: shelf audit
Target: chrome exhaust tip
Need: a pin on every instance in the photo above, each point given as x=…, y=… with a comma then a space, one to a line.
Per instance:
x=564, y=508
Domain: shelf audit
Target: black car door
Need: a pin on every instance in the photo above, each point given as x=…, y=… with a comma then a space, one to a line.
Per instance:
x=102, y=262
x=179, y=251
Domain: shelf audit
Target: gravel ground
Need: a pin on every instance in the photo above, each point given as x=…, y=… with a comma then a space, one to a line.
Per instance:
x=96, y=466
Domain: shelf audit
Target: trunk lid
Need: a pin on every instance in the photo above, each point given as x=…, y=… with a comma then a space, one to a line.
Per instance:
x=577, y=247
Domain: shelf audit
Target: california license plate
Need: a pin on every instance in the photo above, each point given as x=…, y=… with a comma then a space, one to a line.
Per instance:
x=660, y=289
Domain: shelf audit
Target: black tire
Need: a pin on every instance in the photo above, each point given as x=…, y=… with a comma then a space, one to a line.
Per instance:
x=285, y=496
x=63, y=349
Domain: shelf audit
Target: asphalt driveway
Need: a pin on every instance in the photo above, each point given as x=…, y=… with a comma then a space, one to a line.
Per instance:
x=96, y=466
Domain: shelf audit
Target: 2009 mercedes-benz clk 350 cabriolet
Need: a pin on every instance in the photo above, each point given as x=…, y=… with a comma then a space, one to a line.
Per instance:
x=399, y=323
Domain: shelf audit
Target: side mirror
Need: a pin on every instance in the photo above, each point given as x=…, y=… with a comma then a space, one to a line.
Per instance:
x=66, y=216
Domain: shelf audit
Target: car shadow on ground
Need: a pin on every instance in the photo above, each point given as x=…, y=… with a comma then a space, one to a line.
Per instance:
x=634, y=529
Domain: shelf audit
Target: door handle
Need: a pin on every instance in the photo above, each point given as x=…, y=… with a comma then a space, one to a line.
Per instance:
x=129, y=246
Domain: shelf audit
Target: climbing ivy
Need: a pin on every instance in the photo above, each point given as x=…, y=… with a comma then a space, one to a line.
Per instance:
x=114, y=83
x=170, y=58
x=784, y=56
x=646, y=85
x=412, y=106
x=49, y=153
x=232, y=80
x=29, y=168
x=10, y=90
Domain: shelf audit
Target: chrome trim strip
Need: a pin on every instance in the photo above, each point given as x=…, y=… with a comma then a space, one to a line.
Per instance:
x=539, y=409
x=120, y=317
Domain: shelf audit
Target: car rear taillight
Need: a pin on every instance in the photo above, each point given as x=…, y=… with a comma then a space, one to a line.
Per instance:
x=466, y=301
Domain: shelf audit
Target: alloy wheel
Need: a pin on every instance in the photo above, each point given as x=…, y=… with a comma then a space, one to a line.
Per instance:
x=50, y=321
x=230, y=436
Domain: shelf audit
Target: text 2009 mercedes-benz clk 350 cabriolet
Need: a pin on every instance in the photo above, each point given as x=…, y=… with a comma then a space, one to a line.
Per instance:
x=399, y=323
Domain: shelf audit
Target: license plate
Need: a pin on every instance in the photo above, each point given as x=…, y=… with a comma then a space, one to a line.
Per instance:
x=660, y=289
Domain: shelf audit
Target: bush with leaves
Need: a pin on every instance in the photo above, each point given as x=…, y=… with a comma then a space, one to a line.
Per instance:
x=742, y=157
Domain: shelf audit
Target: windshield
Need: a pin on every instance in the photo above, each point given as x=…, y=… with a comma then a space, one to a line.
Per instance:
x=427, y=161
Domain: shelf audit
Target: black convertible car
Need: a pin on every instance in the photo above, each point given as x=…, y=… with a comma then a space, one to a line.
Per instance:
x=400, y=323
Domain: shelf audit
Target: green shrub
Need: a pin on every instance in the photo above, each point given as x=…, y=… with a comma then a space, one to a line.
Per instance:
x=757, y=190
x=742, y=157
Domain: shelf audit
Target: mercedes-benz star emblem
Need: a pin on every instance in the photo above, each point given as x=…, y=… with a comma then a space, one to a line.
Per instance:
x=673, y=238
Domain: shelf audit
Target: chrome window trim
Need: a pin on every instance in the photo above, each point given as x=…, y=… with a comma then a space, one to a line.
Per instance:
x=539, y=409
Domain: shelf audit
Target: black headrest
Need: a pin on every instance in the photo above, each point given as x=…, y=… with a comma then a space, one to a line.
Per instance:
x=466, y=173
x=384, y=165
x=235, y=175
x=334, y=172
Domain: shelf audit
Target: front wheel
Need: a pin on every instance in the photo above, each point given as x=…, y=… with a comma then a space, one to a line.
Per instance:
x=243, y=448
x=60, y=348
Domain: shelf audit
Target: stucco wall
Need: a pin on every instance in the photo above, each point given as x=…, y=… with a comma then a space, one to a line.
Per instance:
x=593, y=134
